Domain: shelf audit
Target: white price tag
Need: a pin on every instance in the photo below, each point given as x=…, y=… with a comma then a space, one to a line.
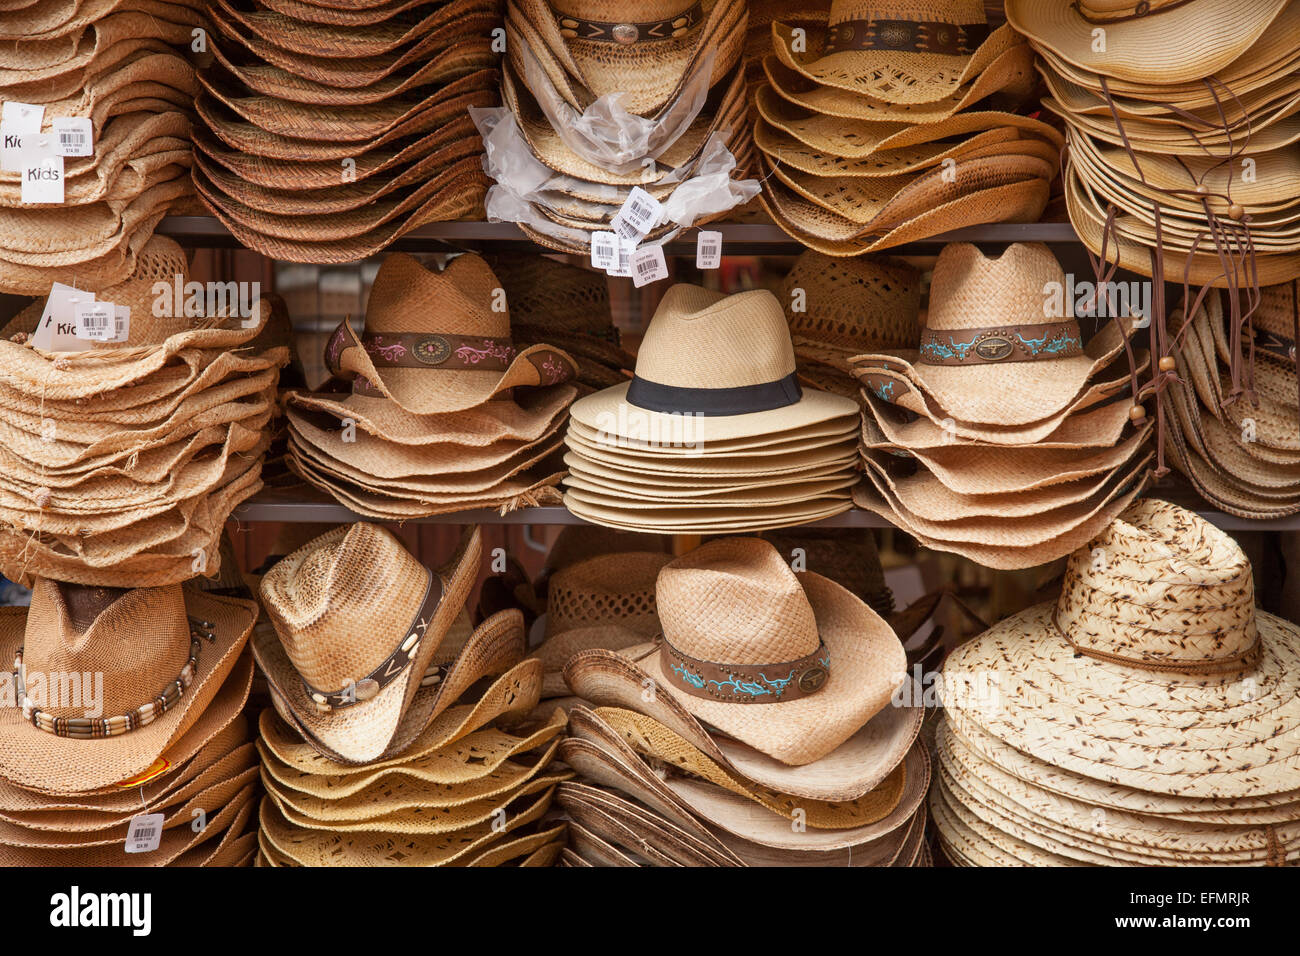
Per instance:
x=42, y=177
x=22, y=117
x=604, y=250
x=708, y=250
x=57, y=330
x=623, y=267
x=95, y=321
x=74, y=136
x=144, y=834
x=648, y=265
x=640, y=213
x=121, y=323
x=13, y=148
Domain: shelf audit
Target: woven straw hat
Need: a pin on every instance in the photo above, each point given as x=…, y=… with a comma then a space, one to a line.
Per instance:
x=1167, y=628
x=1160, y=42
x=73, y=630
x=462, y=358
x=357, y=580
x=799, y=631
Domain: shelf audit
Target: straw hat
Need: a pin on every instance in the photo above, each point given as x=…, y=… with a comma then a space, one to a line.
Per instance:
x=1166, y=625
x=357, y=580
x=154, y=689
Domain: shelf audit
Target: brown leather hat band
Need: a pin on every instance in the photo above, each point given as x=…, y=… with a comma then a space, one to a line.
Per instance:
x=1131, y=11
x=623, y=33
x=1009, y=343
x=392, y=667
x=907, y=36
x=425, y=350
x=747, y=683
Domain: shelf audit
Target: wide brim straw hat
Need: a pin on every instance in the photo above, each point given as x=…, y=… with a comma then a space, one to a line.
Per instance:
x=1171, y=43
x=365, y=730
x=851, y=306
x=860, y=763
x=43, y=761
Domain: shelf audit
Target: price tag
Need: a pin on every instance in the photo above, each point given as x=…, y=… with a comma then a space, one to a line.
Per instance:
x=708, y=250
x=57, y=330
x=604, y=250
x=639, y=214
x=13, y=148
x=42, y=176
x=95, y=321
x=22, y=117
x=144, y=835
x=648, y=265
x=121, y=323
x=623, y=267
x=74, y=136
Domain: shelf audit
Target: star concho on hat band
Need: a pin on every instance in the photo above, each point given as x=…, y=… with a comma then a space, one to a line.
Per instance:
x=391, y=668
x=576, y=28
x=92, y=728
x=748, y=683
x=910, y=36
x=1012, y=343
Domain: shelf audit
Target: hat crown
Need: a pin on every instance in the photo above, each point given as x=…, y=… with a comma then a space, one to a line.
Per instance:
x=135, y=641
x=342, y=603
x=605, y=589
x=1160, y=585
x=736, y=601
x=408, y=297
x=862, y=303
x=704, y=339
x=969, y=290
x=932, y=11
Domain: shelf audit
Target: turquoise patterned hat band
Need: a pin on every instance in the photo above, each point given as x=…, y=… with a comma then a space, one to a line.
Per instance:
x=748, y=683
x=992, y=346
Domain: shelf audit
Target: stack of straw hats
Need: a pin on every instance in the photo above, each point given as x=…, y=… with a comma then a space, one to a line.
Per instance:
x=839, y=308
x=445, y=414
x=567, y=306
x=387, y=748
x=1145, y=718
x=761, y=730
x=714, y=432
x=113, y=64
x=1025, y=441
x=892, y=122
x=127, y=724
x=1182, y=127
x=333, y=129
x=1239, y=444
x=596, y=105
x=121, y=463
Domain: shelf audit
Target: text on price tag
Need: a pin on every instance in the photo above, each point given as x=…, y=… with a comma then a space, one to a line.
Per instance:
x=708, y=250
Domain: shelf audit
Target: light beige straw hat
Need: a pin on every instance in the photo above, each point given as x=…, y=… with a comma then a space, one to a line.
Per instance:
x=156, y=682
x=1189, y=687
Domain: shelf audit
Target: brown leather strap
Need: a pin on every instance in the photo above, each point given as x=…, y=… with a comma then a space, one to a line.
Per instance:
x=1226, y=665
x=1132, y=11
x=425, y=350
x=748, y=683
x=393, y=666
x=628, y=31
x=909, y=36
x=1008, y=343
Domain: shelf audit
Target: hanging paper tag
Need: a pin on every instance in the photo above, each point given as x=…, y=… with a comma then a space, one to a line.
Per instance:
x=22, y=117
x=623, y=267
x=42, y=176
x=13, y=148
x=708, y=250
x=121, y=323
x=639, y=214
x=95, y=321
x=648, y=265
x=76, y=137
x=57, y=330
x=144, y=835
x=604, y=250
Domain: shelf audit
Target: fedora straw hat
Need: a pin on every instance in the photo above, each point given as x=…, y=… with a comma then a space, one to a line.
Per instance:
x=463, y=362
x=353, y=696
x=1160, y=42
x=1166, y=626
x=152, y=693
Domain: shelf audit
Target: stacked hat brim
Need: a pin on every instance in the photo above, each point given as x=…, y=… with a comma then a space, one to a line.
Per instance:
x=117, y=66
x=590, y=114
x=122, y=463
x=867, y=145
x=1152, y=729
x=435, y=423
x=1239, y=444
x=330, y=135
x=1015, y=460
x=1203, y=143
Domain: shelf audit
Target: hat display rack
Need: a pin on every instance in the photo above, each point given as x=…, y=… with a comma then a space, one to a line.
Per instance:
x=711, y=668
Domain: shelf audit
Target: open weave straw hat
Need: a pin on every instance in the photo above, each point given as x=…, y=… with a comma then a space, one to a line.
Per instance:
x=465, y=341
x=360, y=583
x=163, y=652
x=1153, y=41
x=1154, y=669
